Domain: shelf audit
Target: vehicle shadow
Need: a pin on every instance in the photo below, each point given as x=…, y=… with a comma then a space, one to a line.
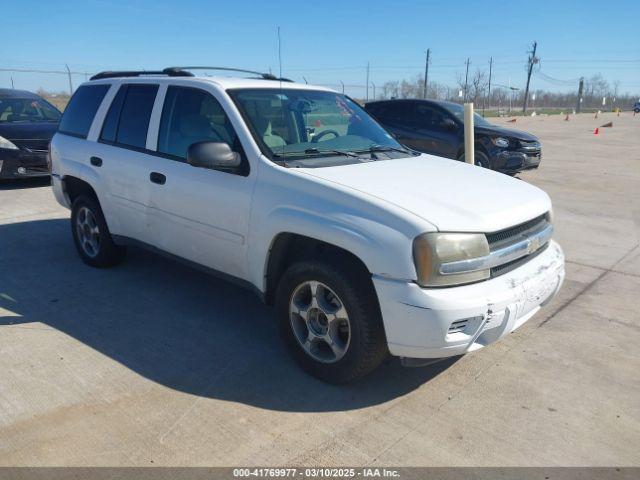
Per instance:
x=27, y=182
x=173, y=325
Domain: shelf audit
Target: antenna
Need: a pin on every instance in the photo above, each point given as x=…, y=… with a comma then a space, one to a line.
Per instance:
x=284, y=161
x=279, y=54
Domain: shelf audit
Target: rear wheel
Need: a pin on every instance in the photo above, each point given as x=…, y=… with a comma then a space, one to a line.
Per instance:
x=91, y=234
x=330, y=321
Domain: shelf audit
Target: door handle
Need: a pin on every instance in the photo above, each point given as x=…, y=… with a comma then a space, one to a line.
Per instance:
x=158, y=178
x=96, y=161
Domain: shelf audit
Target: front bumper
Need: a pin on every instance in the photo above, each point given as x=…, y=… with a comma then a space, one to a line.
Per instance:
x=23, y=163
x=516, y=161
x=444, y=322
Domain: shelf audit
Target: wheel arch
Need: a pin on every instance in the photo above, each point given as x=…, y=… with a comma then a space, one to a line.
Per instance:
x=73, y=187
x=288, y=248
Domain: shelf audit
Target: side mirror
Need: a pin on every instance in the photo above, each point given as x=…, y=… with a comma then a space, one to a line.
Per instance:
x=213, y=155
x=449, y=124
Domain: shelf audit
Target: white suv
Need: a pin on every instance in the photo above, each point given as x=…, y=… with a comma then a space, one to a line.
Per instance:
x=365, y=247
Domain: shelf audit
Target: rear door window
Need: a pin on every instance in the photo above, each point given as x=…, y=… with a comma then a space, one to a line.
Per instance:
x=400, y=114
x=78, y=115
x=135, y=114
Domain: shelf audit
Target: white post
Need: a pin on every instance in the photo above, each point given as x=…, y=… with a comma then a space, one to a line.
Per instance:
x=469, y=153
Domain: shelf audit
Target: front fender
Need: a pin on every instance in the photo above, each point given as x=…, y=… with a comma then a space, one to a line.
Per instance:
x=383, y=250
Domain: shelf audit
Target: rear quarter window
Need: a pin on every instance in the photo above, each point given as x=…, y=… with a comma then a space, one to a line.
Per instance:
x=78, y=115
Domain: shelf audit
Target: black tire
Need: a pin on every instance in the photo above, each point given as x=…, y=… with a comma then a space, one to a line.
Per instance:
x=106, y=253
x=481, y=159
x=367, y=347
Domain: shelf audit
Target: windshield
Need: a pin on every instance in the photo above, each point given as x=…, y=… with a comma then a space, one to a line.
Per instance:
x=14, y=110
x=294, y=124
x=458, y=111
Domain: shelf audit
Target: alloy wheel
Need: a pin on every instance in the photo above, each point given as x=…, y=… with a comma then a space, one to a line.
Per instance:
x=88, y=232
x=320, y=321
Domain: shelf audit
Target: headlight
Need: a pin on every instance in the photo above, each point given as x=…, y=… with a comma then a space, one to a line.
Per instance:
x=432, y=250
x=500, y=142
x=4, y=143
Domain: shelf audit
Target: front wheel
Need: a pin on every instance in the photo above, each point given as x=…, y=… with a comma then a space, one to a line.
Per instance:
x=330, y=321
x=481, y=159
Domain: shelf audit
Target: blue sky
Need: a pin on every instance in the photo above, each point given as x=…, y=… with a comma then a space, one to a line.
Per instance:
x=325, y=41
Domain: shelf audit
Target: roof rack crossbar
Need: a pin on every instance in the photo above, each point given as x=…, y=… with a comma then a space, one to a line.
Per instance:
x=171, y=72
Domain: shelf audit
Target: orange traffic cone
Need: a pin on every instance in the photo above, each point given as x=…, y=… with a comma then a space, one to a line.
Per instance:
x=596, y=131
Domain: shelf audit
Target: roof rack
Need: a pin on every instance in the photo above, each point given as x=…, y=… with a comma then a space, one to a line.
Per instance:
x=264, y=76
x=180, y=72
x=171, y=72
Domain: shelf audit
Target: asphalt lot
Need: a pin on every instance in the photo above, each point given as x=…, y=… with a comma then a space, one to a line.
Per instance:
x=152, y=363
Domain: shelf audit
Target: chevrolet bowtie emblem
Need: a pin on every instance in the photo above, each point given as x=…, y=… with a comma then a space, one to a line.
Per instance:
x=534, y=244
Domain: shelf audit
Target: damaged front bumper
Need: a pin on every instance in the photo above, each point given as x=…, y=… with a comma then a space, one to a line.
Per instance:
x=430, y=323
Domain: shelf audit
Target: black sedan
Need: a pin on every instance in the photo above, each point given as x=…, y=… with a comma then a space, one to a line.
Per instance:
x=27, y=123
x=437, y=127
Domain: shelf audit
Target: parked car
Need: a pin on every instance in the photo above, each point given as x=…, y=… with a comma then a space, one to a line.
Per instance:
x=437, y=128
x=365, y=248
x=27, y=123
x=636, y=107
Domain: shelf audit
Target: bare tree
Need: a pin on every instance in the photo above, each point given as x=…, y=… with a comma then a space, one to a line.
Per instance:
x=391, y=89
x=477, y=86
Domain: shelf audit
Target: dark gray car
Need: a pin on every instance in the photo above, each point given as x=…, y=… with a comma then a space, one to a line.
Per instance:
x=437, y=128
x=27, y=124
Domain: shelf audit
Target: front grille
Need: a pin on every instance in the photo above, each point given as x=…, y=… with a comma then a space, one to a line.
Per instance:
x=512, y=265
x=508, y=236
x=530, y=146
x=513, y=233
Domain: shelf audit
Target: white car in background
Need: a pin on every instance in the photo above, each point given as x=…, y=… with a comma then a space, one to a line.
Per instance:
x=365, y=247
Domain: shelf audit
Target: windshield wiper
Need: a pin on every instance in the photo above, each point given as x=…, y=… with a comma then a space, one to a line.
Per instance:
x=386, y=148
x=317, y=153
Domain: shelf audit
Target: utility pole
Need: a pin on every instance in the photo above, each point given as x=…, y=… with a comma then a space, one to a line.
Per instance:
x=466, y=79
x=12, y=85
x=374, y=90
x=367, y=82
x=70, y=84
x=580, y=90
x=342, y=83
x=532, y=59
x=426, y=73
x=489, y=89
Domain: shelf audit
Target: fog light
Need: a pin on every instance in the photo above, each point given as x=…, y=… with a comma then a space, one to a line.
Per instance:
x=22, y=170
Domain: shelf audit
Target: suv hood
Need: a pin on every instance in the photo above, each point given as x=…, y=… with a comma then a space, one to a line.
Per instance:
x=453, y=196
x=495, y=130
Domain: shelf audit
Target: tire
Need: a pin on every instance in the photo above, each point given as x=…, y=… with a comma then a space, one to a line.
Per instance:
x=360, y=341
x=91, y=234
x=481, y=159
